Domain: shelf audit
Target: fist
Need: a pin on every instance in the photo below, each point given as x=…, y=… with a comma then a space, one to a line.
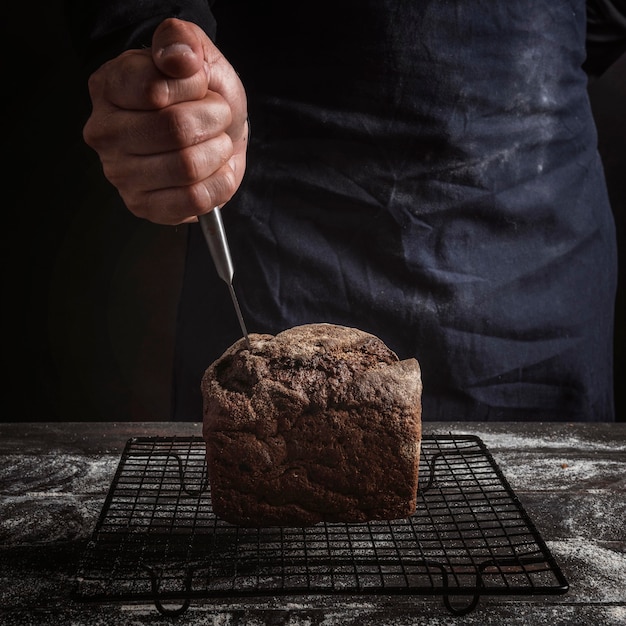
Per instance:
x=170, y=126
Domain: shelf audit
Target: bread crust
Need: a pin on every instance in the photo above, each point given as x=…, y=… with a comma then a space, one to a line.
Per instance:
x=318, y=423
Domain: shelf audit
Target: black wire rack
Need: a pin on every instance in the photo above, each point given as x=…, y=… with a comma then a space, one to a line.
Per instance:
x=158, y=540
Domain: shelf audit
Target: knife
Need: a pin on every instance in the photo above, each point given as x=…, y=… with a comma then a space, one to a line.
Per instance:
x=215, y=235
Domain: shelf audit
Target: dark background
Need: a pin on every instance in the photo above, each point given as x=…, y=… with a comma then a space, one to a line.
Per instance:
x=90, y=292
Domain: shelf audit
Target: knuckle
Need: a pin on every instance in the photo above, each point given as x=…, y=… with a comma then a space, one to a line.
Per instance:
x=222, y=113
x=156, y=93
x=190, y=166
x=89, y=135
x=223, y=186
x=117, y=177
x=94, y=83
x=196, y=199
x=136, y=204
x=96, y=133
x=199, y=197
x=181, y=128
x=199, y=162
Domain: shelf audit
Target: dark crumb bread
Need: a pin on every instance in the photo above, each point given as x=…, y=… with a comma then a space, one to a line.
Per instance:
x=319, y=423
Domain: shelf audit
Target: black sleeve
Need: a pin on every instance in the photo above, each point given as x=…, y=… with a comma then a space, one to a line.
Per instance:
x=102, y=29
x=606, y=34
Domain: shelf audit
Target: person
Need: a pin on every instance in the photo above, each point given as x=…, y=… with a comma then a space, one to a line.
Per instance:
x=426, y=172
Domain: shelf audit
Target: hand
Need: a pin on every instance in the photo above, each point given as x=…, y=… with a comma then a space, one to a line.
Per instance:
x=170, y=125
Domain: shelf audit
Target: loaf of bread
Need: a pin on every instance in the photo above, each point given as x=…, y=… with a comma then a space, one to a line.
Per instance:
x=318, y=423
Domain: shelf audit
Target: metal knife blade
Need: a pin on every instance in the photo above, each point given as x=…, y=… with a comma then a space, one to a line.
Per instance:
x=215, y=235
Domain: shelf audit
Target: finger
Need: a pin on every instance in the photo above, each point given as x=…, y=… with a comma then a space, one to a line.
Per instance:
x=131, y=81
x=177, y=168
x=177, y=48
x=177, y=205
x=153, y=132
x=181, y=48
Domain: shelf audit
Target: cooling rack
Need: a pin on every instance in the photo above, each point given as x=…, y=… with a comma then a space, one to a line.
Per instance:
x=157, y=539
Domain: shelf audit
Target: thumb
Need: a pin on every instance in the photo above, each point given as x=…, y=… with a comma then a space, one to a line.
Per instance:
x=177, y=48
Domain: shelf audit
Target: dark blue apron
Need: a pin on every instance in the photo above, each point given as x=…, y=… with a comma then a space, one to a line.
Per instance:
x=425, y=171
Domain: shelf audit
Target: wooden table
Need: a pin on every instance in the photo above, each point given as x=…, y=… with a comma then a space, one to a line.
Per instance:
x=570, y=478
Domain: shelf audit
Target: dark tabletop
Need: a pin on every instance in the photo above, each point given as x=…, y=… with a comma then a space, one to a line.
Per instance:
x=570, y=479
